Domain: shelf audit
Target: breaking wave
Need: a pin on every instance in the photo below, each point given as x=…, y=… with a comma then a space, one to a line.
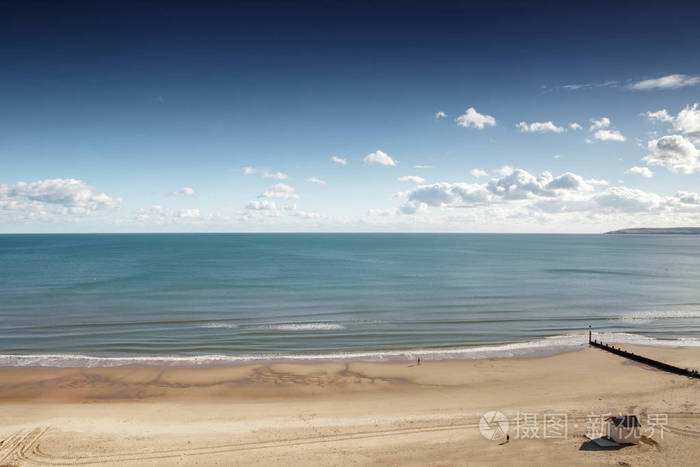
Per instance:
x=535, y=348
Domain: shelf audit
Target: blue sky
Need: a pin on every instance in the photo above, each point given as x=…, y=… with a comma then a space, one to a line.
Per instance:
x=142, y=117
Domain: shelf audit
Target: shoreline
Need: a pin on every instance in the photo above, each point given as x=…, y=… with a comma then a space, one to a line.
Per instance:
x=540, y=347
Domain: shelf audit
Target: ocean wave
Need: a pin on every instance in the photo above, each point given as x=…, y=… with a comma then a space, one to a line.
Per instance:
x=308, y=327
x=219, y=326
x=647, y=316
x=535, y=348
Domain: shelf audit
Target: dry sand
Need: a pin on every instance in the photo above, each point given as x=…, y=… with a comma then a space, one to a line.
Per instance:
x=355, y=413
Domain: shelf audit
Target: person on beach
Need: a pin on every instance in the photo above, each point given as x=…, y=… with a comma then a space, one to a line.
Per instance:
x=418, y=361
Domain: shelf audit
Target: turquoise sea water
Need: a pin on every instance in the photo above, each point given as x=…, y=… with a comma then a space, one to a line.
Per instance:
x=210, y=298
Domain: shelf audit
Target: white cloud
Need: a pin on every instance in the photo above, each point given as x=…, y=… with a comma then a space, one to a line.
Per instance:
x=159, y=214
x=440, y=114
x=383, y=212
x=675, y=152
x=411, y=179
x=276, y=175
x=379, y=157
x=58, y=196
x=556, y=156
x=688, y=121
x=193, y=213
x=666, y=82
x=603, y=122
x=423, y=167
x=280, y=191
x=248, y=170
x=262, y=205
x=609, y=135
x=604, y=84
x=687, y=198
x=185, y=191
x=661, y=115
x=315, y=180
x=521, y=196
x=505, y=170
x=643, y=171
x=306, y=214
x=516, y=185
x=478, y=173
x=472, y=118
x=540, y=127
x=449, y=194
x=413, y=207
x=575, y=126
x=339, y=160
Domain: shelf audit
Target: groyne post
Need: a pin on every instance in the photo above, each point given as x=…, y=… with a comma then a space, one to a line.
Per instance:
x=638, y=358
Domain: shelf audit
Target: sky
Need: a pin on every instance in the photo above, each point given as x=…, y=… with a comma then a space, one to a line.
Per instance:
x=562, y=117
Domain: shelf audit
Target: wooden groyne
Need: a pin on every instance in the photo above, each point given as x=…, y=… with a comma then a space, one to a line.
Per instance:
x=647, y=361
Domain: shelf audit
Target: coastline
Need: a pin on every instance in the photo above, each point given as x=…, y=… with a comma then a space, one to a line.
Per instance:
x=342, y=412
x=541, y=347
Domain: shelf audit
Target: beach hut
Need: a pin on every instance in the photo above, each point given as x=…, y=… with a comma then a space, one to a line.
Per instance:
x=624, y=429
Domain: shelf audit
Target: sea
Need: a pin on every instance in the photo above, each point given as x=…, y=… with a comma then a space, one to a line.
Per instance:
x=221, y=299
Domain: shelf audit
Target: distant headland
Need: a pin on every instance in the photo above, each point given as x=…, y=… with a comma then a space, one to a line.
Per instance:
x=661, y=231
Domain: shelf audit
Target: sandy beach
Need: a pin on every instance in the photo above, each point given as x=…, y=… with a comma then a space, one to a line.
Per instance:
x=350, y=413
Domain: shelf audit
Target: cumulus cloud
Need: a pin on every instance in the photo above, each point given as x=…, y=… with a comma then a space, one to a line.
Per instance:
x=440, y=114
x=505, y=170
x=315, y=180
x=516, y=185
x=522, y=195
x=687, y=198
x=411, y=179
x=675, y=152
x=339, y=160
x=478, y=173
x=379, y=157
x=275, y=175
x=688, y=121
x=248, y=170
x=609, y=135
x=661, y=115
x=413, y=207
x=540, y=127
x=185, y=191
x=423, y=167
x=603, y=122
x=575, y=126
x=60, y=196
x=472, y=118
x=262, y=205
x=666, y=82
x=642, y=171
x=624, y=199
x=280, y=191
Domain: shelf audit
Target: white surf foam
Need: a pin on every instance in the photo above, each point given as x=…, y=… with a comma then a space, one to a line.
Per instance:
x=308, y=327
x=219, y=326
x=535, y=348
x=648, y=316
